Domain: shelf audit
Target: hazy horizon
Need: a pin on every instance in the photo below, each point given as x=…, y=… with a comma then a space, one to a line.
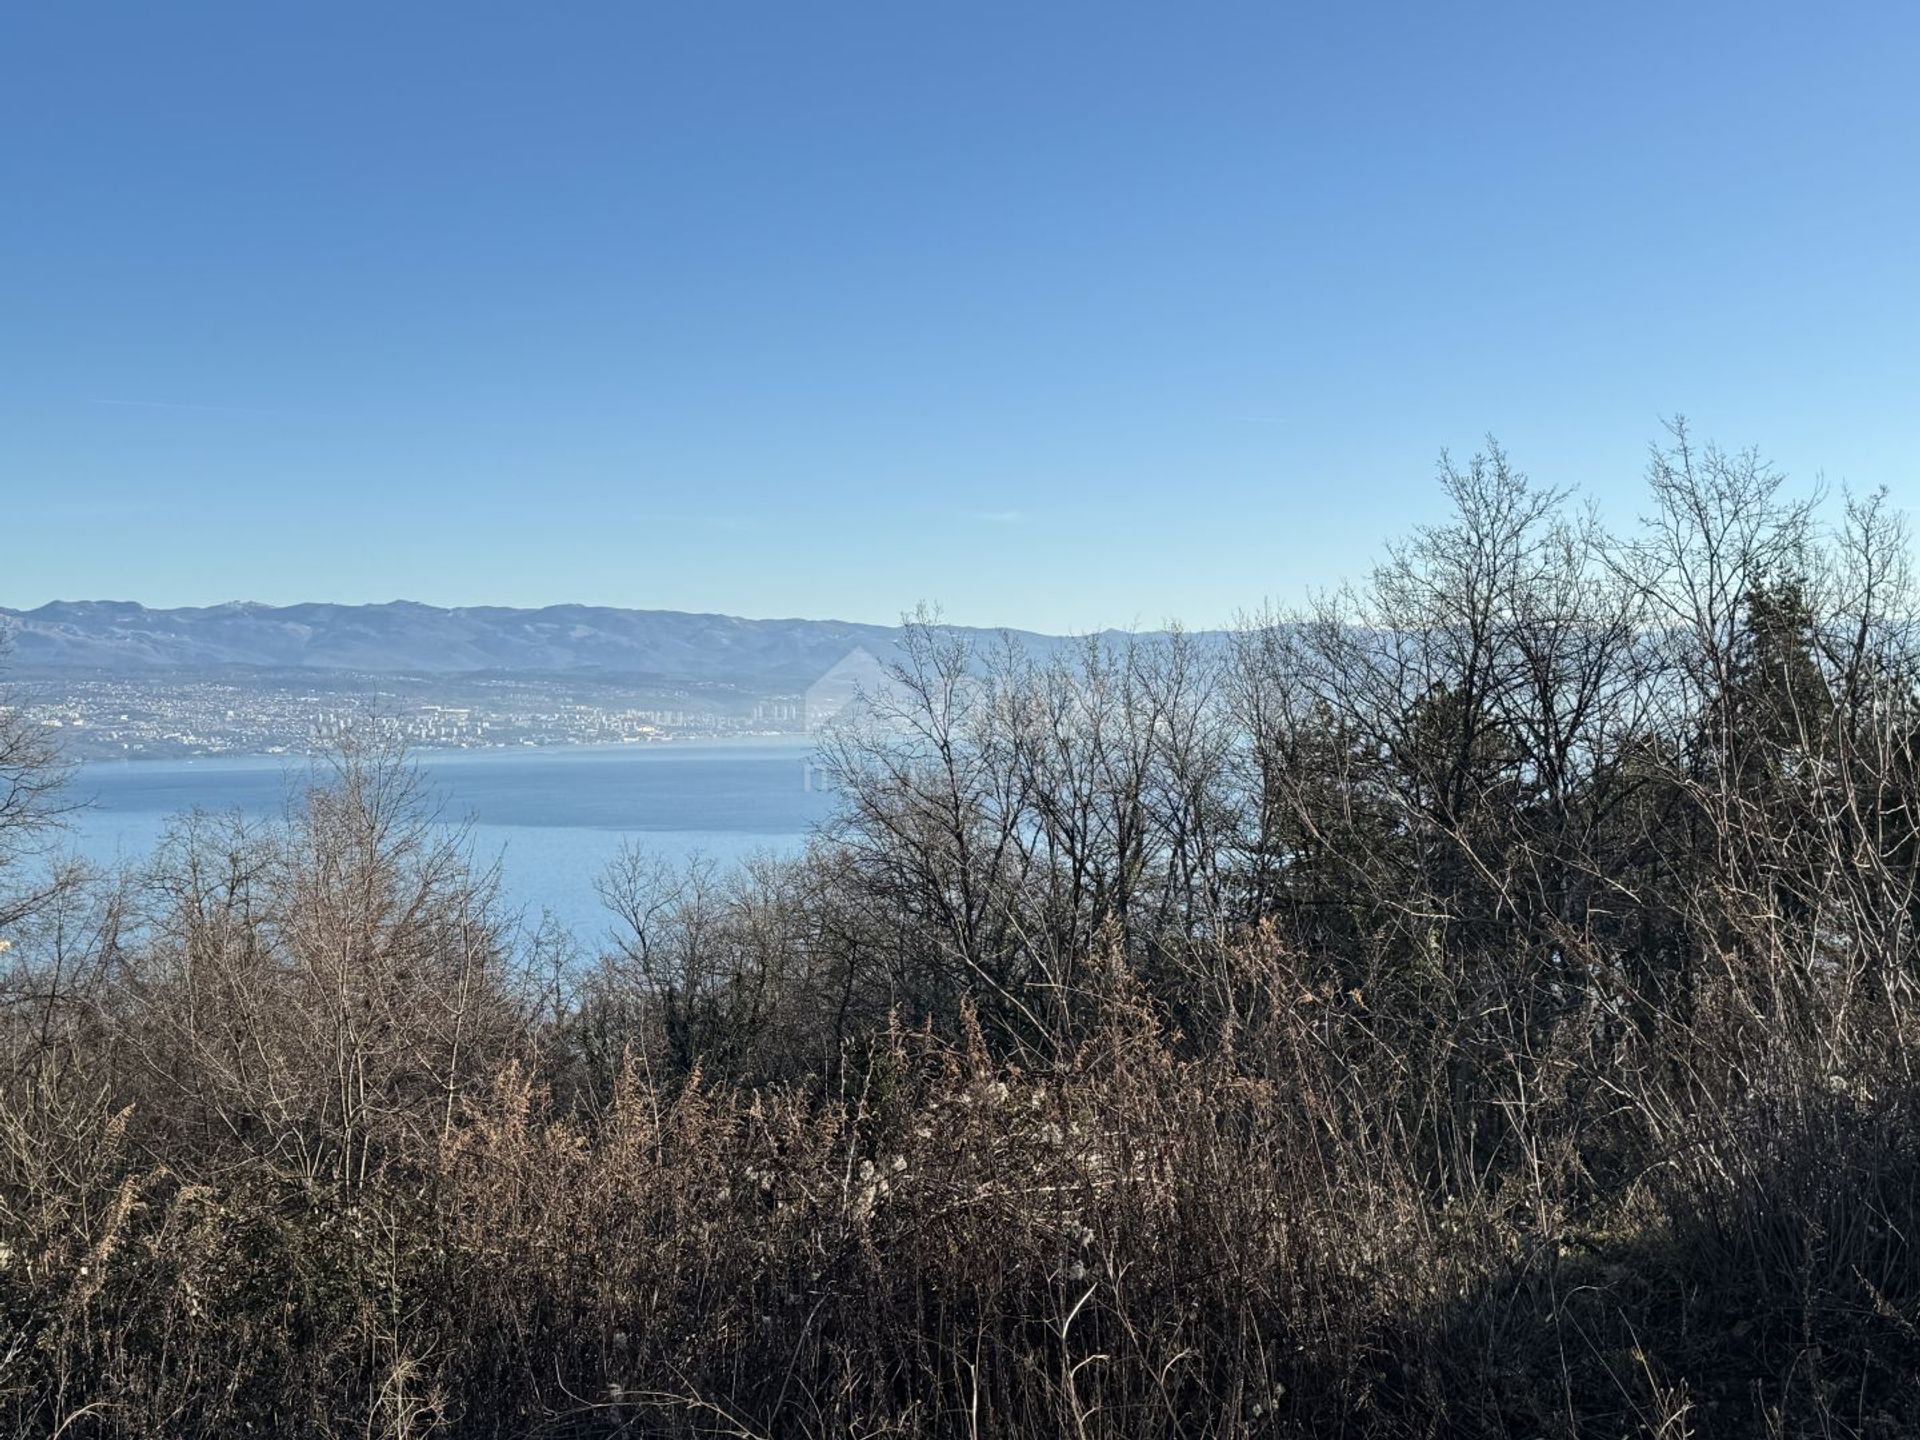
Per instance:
x=902, y=615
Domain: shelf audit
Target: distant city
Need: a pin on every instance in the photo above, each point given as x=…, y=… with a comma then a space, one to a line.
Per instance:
x=120, y=717
x=122, y=681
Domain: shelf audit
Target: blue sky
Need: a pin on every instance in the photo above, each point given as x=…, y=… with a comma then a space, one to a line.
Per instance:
x=1057, y=315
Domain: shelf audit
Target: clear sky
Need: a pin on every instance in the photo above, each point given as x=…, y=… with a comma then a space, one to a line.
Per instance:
x=1058, y=315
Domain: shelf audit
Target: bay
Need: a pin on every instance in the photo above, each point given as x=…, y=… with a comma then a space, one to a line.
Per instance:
x=552, y=818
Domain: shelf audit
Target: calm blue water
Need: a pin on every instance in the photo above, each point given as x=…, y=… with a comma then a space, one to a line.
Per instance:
x=553, y=818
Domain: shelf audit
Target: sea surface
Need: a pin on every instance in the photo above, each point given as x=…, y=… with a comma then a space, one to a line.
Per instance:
x=552, y=818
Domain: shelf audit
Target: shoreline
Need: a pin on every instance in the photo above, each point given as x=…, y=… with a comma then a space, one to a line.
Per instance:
x=796, y=745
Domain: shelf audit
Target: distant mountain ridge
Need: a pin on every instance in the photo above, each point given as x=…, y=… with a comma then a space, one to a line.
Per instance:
x=402, y=636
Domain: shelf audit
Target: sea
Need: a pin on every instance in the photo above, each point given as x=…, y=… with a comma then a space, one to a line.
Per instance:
x=552, y=818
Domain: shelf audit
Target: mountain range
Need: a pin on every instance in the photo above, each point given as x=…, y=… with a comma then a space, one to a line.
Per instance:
x=123, y=638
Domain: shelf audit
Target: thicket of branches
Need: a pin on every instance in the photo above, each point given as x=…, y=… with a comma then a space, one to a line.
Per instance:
x=1480, y=1004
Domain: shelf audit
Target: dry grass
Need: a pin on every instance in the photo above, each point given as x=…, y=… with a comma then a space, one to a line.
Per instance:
x=1143, y=1240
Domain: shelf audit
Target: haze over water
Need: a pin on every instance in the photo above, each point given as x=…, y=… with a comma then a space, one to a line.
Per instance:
x=553, y=818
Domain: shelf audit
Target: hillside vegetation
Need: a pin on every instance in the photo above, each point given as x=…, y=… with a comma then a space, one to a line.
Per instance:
x=1482, y=1004
x=115, y=637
